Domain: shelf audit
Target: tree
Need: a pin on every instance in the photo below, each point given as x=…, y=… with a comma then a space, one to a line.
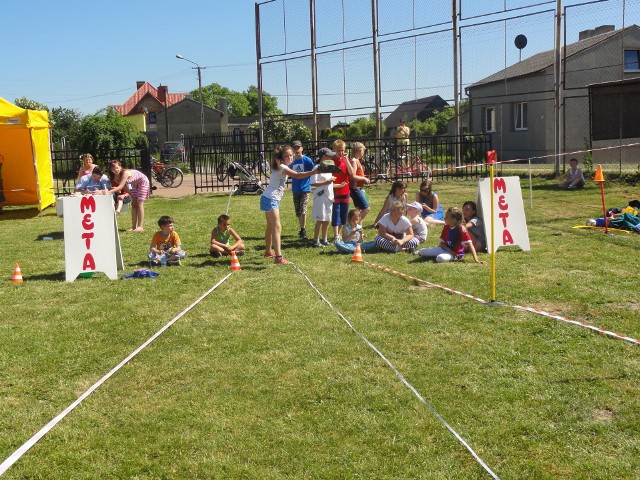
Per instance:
x=240, y=104
x=277, y=129
x=269, y=102
x=66, y=122
x=28, y=104
x=105, y=131
x=364, y=128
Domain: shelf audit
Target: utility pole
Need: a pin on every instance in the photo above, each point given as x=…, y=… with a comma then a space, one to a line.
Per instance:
x=199, y=68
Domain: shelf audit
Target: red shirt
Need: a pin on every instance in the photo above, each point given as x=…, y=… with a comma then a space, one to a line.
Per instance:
x=447, y=237
x=342, y=176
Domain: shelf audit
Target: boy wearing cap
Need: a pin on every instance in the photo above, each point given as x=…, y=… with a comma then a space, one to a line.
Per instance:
x=302, y=187
x=418, y=225
x=322, y=183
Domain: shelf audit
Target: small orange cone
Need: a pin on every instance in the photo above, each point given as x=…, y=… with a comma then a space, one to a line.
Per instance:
x=235, y=264
x=599, y=177
x=357, y=254
x=17, y=275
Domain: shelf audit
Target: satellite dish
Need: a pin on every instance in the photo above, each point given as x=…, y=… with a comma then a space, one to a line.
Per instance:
x=520, y=42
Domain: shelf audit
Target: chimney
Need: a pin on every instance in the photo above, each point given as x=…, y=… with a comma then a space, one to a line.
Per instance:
x=162, y=94
x=139, y=84
x=223, y=105
x=585, y=34
x=604, y=29
x=596, y=31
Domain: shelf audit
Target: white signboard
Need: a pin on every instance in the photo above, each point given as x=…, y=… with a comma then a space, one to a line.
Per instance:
x=91, y=240
x=510, y=224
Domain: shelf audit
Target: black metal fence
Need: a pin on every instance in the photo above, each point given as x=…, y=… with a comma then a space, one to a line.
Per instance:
x=385, y=159
x=66, y=165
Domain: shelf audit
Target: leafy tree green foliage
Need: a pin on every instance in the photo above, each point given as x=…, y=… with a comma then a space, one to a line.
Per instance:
x=277, y=129
x=269, y=102
x=364, y=128
x=238, y=103
x=105, y=131
x=28, y=104
x=66, y=122
x=422, y=129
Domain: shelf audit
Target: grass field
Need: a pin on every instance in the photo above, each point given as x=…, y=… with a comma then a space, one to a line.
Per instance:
x=262, y=379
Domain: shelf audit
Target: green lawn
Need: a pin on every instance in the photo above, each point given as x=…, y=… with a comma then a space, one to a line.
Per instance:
x=262, y=379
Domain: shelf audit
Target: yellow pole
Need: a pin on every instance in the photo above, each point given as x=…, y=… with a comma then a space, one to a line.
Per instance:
x=493, y=243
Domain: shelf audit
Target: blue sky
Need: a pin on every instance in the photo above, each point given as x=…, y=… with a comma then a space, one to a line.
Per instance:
x=86, y=55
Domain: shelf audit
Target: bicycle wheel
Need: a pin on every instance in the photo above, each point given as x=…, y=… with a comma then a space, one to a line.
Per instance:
x=221, y=170
x=172, y=177
x=264, y=167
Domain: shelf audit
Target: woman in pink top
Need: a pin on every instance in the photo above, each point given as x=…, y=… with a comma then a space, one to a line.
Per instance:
x=87, y=165
x=139, y=191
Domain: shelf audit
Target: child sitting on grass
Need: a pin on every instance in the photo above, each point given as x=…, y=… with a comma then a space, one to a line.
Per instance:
x=166, y=248
x=221, y=239
x=453, y=240
x=352, y=235
x=418, y=225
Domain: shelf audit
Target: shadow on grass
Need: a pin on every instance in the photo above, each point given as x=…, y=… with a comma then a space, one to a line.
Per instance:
x=51, y=236
x=54, y=277
x=19, y=214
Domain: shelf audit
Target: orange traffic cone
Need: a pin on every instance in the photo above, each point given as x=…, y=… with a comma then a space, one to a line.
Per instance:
x=357, y=254
x=599, y=177
x=235, y=264
x=17, y=275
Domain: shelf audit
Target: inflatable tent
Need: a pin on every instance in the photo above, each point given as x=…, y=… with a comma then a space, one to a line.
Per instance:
x=26, y=176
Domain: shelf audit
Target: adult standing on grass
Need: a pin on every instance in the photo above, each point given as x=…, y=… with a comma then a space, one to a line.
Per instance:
x=402, y=140
x=139, y=191
x=270, y=200
x=301, y=188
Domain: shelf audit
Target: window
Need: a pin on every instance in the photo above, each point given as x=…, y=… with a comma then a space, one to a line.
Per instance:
x=489, y=119
x=520, y=116
x=632, y=60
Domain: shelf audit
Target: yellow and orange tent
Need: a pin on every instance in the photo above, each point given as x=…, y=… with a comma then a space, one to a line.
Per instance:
x=26, y=175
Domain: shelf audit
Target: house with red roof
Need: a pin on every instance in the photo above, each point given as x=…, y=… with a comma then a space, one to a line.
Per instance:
x=145, y=105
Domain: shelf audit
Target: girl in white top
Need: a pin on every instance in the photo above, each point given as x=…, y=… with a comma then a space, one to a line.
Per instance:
x=395, y=232
x=270, y=200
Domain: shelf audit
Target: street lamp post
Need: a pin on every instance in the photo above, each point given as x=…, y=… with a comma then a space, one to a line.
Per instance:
x=199, y=68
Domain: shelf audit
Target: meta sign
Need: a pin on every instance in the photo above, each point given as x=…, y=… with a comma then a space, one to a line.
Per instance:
x=91, y=240
x=509, y=222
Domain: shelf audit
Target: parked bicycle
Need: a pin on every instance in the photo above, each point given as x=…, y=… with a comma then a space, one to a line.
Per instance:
x=376, y=166
x=167, y=176
x=412, y=167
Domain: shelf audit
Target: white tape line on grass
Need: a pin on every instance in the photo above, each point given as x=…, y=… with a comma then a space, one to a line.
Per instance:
x=402, y=379
x=15, y=456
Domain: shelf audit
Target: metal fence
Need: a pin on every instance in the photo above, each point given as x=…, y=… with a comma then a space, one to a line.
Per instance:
x=66, y=165
x=385, y=160
x=365, y=57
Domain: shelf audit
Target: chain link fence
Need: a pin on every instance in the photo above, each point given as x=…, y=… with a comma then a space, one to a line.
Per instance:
x=364, y=57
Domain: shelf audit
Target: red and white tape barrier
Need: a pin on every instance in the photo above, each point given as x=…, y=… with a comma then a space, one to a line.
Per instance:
x=528, y=309
x=575, y=322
